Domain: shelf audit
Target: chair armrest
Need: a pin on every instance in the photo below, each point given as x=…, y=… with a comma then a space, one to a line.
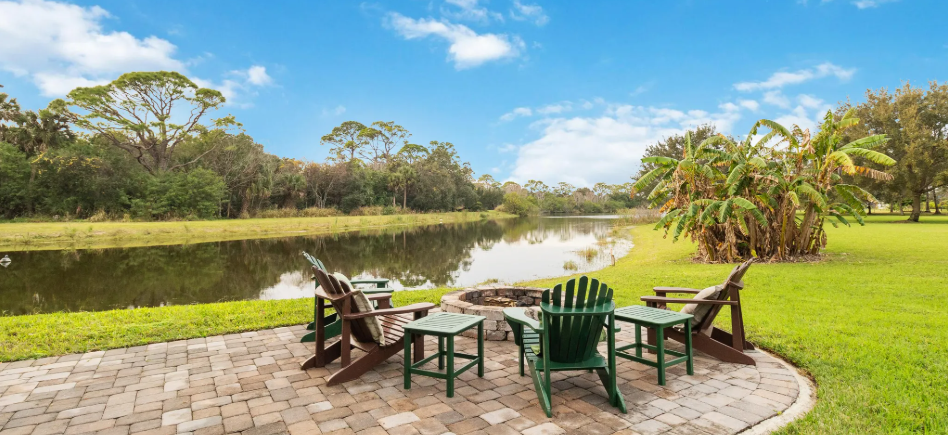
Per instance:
x=378, y=296
x=413, y=308
x=372, y=291
x=519, y=316
x=686, y=301
x=378, y=282
x=676, y=290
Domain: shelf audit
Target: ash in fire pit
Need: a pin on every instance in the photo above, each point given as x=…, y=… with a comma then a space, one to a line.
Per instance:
x=502, y=302
x=490, y=303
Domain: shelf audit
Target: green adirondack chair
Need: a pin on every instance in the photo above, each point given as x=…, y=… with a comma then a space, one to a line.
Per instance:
x=333, y=325
x=567, y=336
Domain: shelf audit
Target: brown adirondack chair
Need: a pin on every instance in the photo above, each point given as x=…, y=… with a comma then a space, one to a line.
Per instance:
x=355, y=332
x=706, y=337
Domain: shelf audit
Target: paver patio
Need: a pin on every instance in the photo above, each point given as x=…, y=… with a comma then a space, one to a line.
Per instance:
x=250, y=383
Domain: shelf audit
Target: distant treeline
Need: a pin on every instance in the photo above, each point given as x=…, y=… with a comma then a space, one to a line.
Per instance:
x=142, y=147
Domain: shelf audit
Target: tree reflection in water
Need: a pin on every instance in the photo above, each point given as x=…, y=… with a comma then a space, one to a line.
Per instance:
x=433, y=256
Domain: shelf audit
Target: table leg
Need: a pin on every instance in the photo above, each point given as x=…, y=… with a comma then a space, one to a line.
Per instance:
x=450, y=366
x=407, y=361
x=689, y=352
x=660, y=350
x=638, y=340
x=440, y=353
x=480, y=349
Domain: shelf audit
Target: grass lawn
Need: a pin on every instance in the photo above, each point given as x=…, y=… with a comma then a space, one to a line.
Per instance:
x=868, y=323
x=83, y=235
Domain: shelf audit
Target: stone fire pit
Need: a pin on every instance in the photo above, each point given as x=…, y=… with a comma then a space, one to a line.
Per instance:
x=490, y=303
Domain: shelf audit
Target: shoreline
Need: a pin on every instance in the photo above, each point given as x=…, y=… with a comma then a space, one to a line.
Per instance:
x=23, y=237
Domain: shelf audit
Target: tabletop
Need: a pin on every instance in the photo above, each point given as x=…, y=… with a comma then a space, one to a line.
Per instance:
x=443, y=323
x=648, y=316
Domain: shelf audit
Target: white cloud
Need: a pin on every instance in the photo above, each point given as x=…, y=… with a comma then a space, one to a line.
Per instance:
x=257, y=75
x=729, y=107
x=641, y=89
x=608, y=147
x=506, y=148
x=776, y=98
x=809, y=101
x=514, y=114
x=59, y=45
x=524, y=12
x=783, y=78
x=751, y=105
x=469, y=10
x=549, y=109
x=468, y=49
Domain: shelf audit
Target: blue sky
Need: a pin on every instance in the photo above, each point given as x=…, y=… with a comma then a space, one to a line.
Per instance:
x=557, y=91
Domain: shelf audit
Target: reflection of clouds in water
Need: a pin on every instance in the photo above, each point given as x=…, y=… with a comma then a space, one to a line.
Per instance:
x=292, y=285
x=534, y=254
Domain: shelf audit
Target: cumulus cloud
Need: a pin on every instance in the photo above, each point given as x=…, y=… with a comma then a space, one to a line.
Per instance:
x=776, y=98
x=608, y=147
x=61, y=46
x=531, y=12
x=751, y=105
x=783, y=78
x=257, y=75
x=809, y=101
x=866, y=4
x=467, y=48
x=514, y=114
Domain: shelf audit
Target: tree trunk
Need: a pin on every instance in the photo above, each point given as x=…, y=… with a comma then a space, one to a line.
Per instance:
x=935, y=197
x=869, y=208
x=916, y=207
x=405, y=198
x=927, y=204
x=245, y=204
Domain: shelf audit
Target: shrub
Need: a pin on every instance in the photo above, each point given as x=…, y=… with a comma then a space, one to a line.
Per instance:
x=195, y=194
x=515, y=203
x=367, y=211
x=389, y=210
x=318, y=212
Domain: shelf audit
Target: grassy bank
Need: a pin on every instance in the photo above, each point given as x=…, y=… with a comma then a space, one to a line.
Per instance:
x=84, y=235
x=868, y=322
x=41, y=335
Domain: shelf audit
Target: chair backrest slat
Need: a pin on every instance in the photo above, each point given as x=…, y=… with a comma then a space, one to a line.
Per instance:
x=574, y=338
x=335, y=289
x=732, y=286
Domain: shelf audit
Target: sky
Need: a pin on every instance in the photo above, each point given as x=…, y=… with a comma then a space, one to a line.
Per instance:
x=525, y=89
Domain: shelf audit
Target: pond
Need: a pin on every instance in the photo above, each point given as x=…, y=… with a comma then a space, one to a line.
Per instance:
x=456, y=255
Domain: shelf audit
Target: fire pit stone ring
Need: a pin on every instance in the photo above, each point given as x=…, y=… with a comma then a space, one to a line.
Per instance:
x=490, y=301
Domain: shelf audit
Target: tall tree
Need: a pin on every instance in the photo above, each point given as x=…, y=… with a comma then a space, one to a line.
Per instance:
x=916, y=121
x=148, y=114
x=346, y=141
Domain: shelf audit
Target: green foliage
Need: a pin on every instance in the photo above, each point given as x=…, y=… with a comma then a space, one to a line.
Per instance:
x=14, y=176
x=520, y=205
x=741, y=200
x=195, y=194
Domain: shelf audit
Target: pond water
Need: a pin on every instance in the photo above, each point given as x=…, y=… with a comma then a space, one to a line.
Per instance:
x=455, y=255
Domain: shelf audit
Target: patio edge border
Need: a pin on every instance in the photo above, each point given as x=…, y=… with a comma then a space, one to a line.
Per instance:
x=806, y=400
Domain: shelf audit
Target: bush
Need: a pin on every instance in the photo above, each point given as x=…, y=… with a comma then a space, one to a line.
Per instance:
x=195, y=194
x=389, y=210
x=591, y=207
x=515, y=203
x=318, y=212
x=374, y=210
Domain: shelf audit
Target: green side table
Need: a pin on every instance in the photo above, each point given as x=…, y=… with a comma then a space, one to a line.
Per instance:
x=445, y=326
x=657, y=319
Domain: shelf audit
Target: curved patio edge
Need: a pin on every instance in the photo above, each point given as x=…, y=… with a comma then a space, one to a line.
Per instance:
x=805, y=402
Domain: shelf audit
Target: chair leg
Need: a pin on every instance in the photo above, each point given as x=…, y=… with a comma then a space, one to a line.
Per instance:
x=543, y=394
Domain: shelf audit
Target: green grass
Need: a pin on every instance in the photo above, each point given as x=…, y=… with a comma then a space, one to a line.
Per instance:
x=868, y=322
x=41, y=335
x=85, y=235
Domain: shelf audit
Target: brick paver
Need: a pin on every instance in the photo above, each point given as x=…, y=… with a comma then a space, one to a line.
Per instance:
x=251, y=384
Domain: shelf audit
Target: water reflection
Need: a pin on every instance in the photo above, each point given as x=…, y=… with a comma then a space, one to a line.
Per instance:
x=435, y=256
